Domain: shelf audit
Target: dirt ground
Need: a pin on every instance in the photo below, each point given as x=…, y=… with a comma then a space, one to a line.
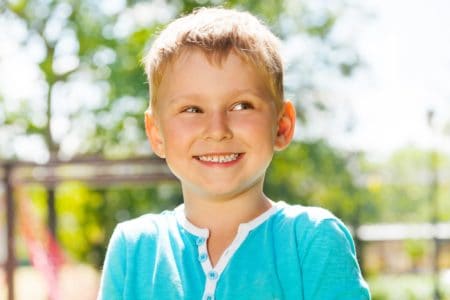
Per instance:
x=76, y=282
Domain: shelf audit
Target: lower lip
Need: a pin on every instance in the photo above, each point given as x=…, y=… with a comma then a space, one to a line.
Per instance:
x=221, y=164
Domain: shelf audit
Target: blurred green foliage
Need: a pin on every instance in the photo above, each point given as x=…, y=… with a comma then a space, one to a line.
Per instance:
x=416, y=250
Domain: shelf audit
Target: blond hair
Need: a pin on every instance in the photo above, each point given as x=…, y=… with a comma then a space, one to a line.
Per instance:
x=217, y=32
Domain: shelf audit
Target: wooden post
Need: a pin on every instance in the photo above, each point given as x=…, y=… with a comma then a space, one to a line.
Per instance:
x=434, y=187
x=10, y=224
x=51, y=211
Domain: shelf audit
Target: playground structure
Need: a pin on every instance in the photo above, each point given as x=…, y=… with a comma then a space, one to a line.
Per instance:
x=95, y=171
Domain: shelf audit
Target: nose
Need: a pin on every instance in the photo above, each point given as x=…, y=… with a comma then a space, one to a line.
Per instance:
x=218, y=127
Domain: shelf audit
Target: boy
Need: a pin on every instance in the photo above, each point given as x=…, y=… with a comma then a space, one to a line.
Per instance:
x=216, y=115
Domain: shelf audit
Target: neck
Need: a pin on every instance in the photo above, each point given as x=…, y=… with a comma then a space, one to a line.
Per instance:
x=225, y=214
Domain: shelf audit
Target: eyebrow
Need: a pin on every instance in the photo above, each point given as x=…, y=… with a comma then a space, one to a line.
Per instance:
x=232, y=94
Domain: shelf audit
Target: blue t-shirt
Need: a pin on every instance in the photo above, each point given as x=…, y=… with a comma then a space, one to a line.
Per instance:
x=288, y=252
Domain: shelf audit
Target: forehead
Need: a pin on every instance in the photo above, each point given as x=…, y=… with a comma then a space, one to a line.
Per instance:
x=194, y=71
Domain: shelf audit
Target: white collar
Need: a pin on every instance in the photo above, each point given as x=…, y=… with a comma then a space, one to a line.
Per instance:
x=248, y=226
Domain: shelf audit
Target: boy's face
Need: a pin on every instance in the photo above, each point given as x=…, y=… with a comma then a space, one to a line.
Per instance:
x=217, y=126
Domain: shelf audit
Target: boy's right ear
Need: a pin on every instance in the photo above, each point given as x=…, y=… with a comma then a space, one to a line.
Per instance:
x=154, y=135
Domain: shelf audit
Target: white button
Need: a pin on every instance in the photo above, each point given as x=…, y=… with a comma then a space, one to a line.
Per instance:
x=212, y=275
x=202, y=257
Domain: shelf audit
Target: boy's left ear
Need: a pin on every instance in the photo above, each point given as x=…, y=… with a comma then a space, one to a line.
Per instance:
x=286, y=126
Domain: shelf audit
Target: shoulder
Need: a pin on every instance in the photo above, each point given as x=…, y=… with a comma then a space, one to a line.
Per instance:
x=312, y=224
x=326, y=252
x=306, y=217
x=146, y=226
x=131, y=248
x=304, y=213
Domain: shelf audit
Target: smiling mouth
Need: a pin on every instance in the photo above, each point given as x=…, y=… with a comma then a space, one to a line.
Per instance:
x=219, y=158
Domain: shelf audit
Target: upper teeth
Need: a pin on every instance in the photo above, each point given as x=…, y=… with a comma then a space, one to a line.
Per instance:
x=219, y=158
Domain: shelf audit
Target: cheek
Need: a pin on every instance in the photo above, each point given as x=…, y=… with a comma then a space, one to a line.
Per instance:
x=178, y=131
x=258, y=127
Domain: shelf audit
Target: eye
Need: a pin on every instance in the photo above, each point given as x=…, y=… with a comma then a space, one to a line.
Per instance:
x=242, y=106
x=192, y=109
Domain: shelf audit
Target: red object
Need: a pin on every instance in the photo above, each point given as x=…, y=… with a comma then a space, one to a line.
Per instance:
x=45, y=254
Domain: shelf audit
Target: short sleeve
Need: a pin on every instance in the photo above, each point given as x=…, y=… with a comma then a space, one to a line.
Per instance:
x=113, y=274
x=329, y=264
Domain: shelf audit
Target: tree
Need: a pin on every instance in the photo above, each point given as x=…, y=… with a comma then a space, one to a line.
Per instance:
x=92, y=88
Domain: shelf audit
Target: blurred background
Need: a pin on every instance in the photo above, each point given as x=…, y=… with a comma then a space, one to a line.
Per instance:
x=370, y=80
